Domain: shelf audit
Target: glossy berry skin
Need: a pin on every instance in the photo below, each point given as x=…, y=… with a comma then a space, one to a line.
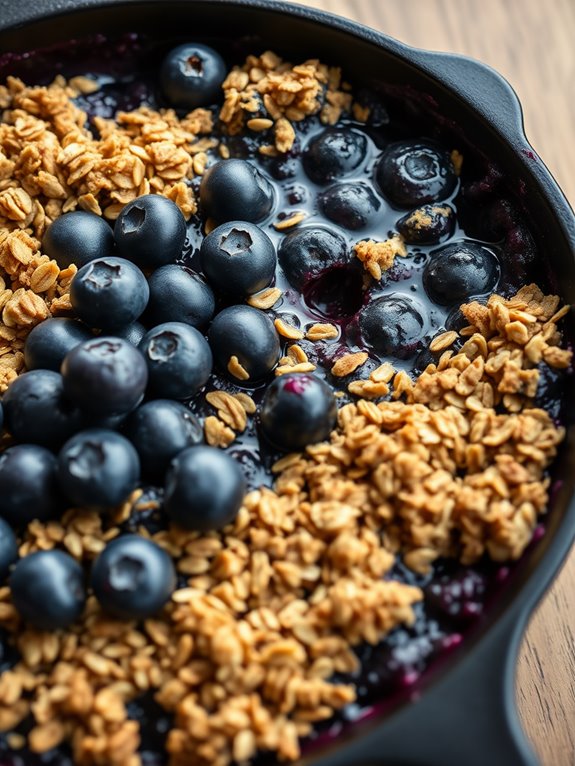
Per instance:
x=350, y=205
x=179, y=295
x=393, y=325
x=133, y=333
x=150, y=231
x=133, y=578
x=248, y=334
x=192, y=75
x=307, y=253
x=78, y=237
x=297, y=409
x=159, y=430
x=48, y=590
x=8, y=549
x=427, y=225
x=336, y=152
x=49, y=342
x=238, y=259
x=28, y=484
x=235, y=190
x=459, y=271
x=179, y=360
x=204, y=489
x=109, y=293
x=105, y=376
x=98, y=468
x=412, y=173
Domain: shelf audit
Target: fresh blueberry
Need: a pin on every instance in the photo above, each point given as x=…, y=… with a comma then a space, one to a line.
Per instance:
x=179, y=295
x=427, y=225
x=179, y=360
x=150, y=231
x=204, y=490
x=351, y=205
x=47, y=589
x=133, y=333
x=247, y=334
x=459, y=271
x=336, y=152
x=308, y=252
x=393, y=325
x=109, y=293
x=159, y=430
x=105, y=376
x=49, y=342
x=238, y=258
x=297, y=410
x=37, y=412
x=78, y=237
x=133, y=578
x=28, y=484
x=413, y=173
x=235, y=190
x=8, y=549
x=192, y=75
x=98, y=468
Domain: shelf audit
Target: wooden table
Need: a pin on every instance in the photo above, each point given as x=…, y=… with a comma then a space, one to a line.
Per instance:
x=532, y=43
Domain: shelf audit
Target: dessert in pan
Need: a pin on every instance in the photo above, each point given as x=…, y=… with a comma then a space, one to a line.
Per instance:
x=282, y=382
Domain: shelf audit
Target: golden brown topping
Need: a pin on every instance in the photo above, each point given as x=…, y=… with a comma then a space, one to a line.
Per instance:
x=266, y=298
x=217, y=433
x=378, y=257
x=287, y=330
x=236, y=369
x=322, y=332
x=348, y=363
x=292, y=220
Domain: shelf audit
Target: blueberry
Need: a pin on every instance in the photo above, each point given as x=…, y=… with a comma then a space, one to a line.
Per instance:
x=179, y=360
x=235, y=190
x=159, y=430
x=297, y=410
x=351, y=205
x=205, y=488
x=49, y=342
x=109, y=293
x=150, y=231
x=305, y=254
x=8, y=549
x=412, y=173
x=78, y=238
x=238, y=258
x=333, y=154
x=133, y=333
x=179, y=295
x=28, y=484
x=105, y=376
x=427, y=225
x=459, y=271
x=192, y=75
x=98, y=468
x=37, y=412
x=393, y=325
x=247, y=334
x=48, y=590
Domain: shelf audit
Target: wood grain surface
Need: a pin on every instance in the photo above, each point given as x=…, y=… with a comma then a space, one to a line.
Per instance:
x=532, y=43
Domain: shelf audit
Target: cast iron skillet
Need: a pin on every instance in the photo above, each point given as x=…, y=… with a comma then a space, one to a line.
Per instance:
x=465, y=713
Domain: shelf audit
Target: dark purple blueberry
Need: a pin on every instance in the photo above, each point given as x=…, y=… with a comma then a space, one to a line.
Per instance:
x=37, y=412
x=235, y=190
x=192, y=75
x=247, y=334
x=133, y=333
x=47, y=589
x=204, y=490
x=179, y=360
x=28, y=484
x=459, y=271
x=333, y=154
x=133, y=578
x=351, y=205
x=159, y=430
x=306, y=253
x=98, y=468
x=109, y=293
x=78, y=237
x=49, y=342
x=337, y=293
x=8, y=549
x=150, y=231
x=393, y=325
x=297, y=409
x=457, y=594
x=427, y=225
x=238, y=259
x=412, y=173
x=179, y=295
